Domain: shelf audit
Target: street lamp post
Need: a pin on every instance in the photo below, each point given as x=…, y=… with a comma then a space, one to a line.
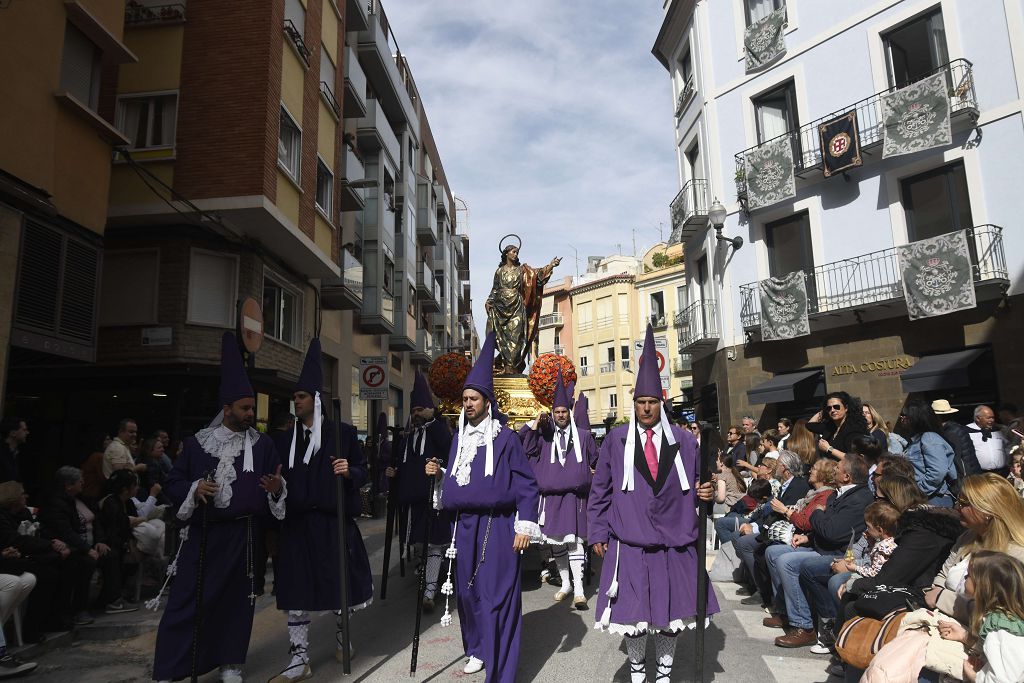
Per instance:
x=717, y=213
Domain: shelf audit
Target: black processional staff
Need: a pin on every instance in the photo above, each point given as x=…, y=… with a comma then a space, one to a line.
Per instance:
x=710, y=445
x=389, y=526
x=346, y=654
x=197, y=619
x=422, y=590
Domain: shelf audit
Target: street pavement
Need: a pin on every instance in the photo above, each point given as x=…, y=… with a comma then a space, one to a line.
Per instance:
x=559, y=644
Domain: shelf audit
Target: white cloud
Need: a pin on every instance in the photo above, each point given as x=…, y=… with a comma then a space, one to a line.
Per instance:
x=553, y=121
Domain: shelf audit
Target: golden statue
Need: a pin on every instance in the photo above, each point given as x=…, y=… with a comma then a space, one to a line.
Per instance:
x=513, y=308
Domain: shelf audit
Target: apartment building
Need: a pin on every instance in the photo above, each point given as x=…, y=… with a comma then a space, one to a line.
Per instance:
x=555, y=325
x=276, y=172
x=734, y=103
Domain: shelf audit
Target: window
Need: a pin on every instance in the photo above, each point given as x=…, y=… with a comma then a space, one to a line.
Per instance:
x=281, y=310
x=212, y=288
x=756, y=10
x=686, y=67
x=328, y=73
x=613, y=398
x=80, y=66
x=324, y=188
x=389, y=274
x=130, y=286
x=680, y=298
x=289, y=145
x=624, y=351
x=789, y=249
x=702, y=277
x=657, y=308
x=693, y=162
x=937, y=202
x=148, y=120
x=915, y=49
x=610, y=352
x=775, y=113
x=295, y=13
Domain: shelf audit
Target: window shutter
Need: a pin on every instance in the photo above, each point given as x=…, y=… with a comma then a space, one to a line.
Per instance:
x=78, y=296
x=78, y=65
x=296, y=13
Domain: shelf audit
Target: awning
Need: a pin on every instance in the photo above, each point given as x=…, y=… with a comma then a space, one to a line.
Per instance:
x=783, y=388
x=941, y=371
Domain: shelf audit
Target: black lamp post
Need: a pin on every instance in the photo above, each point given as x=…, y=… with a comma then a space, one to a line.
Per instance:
x=717, y=213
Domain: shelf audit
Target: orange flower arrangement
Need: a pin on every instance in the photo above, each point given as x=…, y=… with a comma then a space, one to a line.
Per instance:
x=544, y=375
x=447, y=374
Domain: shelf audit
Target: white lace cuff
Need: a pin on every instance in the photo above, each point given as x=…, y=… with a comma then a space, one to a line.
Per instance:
x=530, y=529
x=277, y=507
x=188, y=506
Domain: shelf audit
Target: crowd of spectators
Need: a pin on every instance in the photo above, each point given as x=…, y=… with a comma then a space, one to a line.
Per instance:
x=864, y=521
x=83, y=543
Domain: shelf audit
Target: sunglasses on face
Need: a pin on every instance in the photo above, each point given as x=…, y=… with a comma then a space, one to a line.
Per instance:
x=834, y=407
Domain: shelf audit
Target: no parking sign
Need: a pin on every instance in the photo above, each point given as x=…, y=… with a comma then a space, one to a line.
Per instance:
x=373, y=378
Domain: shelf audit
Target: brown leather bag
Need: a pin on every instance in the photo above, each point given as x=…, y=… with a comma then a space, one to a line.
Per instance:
x=861, y=638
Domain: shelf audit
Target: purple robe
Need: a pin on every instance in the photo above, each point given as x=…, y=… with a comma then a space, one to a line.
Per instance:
x=563, y=488
x=227, y=610
x=491, y=608
x=413, y=486
x=651, y=534
x=307, y=574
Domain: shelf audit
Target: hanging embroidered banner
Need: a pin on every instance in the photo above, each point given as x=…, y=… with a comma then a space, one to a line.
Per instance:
x=840, y=144
x=937, y=275
x=916, y=117
x=769, y=173
x=764, y=41
x=784, y=307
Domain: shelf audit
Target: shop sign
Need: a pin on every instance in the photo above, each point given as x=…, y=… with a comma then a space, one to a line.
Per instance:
x=882, y=367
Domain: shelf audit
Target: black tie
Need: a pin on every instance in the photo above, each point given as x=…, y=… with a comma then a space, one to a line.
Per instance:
x=305, y=439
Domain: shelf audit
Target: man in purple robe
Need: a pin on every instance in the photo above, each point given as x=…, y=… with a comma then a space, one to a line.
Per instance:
x=246, y=484
x=307, y=572
x=429, y=438
x=562, y=457
x=642, y=519
x=490, y=490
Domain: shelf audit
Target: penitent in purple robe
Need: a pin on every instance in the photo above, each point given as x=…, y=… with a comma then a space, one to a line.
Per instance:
x=563, y=487
x=651, y=534
x=432, y=440
x=489, y=590
x=307, y=569
x=228, y=601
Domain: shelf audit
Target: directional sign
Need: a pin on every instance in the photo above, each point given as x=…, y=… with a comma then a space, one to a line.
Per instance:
x=661, y=349
x=373, y=378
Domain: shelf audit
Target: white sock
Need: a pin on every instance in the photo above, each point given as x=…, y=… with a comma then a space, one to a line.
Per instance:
x=298, y=635
x=664, y=652
x=636, y=650
x=576, y=559
x=560, y=553
x=434, y=555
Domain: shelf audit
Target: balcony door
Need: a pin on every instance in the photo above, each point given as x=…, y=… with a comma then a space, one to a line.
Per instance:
x=776, y=114
x=915, y=49
x=789, y=249
x=936, y=202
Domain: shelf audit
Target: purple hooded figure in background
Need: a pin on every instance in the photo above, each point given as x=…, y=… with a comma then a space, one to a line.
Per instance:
x=490, y=490
x=642, y=518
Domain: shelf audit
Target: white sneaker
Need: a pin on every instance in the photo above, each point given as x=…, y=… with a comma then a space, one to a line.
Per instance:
x=473, y=666
x=820, y=648
x=230, y=674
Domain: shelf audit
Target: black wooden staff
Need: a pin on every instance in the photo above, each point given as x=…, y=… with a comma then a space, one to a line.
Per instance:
x=389, y=530
x=421, y=592
x=707, y=450
x=346, y=656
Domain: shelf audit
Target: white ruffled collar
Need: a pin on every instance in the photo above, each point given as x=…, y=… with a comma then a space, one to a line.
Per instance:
x=225, y=445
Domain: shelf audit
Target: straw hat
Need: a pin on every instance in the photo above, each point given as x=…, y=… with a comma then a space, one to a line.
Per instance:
x=942, y=407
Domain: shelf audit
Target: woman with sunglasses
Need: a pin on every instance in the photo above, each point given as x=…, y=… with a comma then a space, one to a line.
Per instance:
x=930, y=454
x=840, y=419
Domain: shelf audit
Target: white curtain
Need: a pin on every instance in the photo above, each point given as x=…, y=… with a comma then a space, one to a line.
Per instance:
x=773, y=121
x=759, y=9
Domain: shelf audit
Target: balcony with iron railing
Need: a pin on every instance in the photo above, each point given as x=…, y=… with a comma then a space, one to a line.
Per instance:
x=327, y=95
x=658, y=321
x=806, y=143
x=605, y=368
x=685, y=95
x=874, y=278
x=551, y=320
x=138, y=14
x=682, y=364
x=584, y=370
x=345, y=293
x=689, y=210
x=294, y=35
x=626, y=365
x=697, y=325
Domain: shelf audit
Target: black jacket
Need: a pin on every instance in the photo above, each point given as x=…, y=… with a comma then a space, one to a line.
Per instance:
x=841, y=439
x=59, y=519
x=28, y=546
x=957, y=436
x=842, y=518
x=924, y=537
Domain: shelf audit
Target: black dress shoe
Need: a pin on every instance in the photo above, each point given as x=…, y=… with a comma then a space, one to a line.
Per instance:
x=754, y=599
x=745, y=590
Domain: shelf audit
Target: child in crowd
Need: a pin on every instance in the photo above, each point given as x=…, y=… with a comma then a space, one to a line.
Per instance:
x=1015, y=477
x=882, y=519
x=995, y=641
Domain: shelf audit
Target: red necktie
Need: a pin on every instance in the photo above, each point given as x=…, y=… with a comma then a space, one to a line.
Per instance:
x=651, y=454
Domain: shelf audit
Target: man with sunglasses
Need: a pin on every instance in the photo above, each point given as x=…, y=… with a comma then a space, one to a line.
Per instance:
x=734, y=440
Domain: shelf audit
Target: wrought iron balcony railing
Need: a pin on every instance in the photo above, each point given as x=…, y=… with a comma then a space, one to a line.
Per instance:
x=137, y=14
x=875, y=278
x=607, y=367
x=870, y=122
x=685, y=95
x=697, y=324
x=690, y=204
x=295, y=36
x=625, y=364
x=682, y=364
x=329, y=100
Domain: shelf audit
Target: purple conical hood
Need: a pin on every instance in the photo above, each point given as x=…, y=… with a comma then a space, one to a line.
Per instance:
x=234, y=383
x=311, y=380
x=481, y=376
x=581, y=411
x=421, y=396
x=648, y=378
x=563, y=397
x=382, y=424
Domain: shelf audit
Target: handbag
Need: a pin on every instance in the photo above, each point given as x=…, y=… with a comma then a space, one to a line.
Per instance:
x=781, y=532
x=861, y=638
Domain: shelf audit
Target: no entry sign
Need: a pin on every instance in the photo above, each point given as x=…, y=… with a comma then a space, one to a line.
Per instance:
x=373, y=378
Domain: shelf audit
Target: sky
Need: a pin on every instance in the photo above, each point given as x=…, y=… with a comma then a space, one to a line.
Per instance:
x=553, y=121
